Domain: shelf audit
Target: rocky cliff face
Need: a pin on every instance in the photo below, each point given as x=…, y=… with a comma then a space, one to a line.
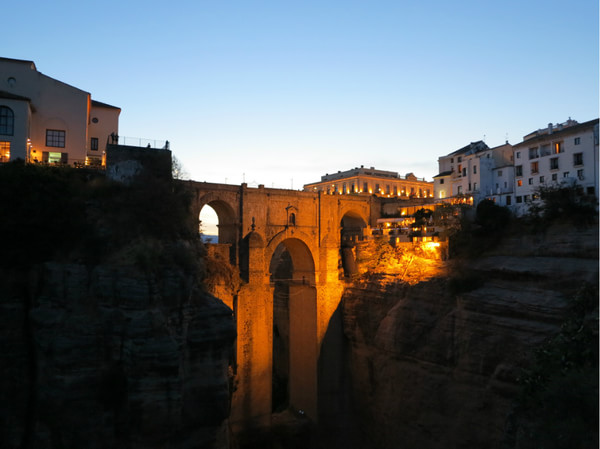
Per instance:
x=112, y=357
x=436, y=364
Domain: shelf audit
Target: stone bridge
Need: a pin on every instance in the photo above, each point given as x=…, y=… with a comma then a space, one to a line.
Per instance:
x=286, y=246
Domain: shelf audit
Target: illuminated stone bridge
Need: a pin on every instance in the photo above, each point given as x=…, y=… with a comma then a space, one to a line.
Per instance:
x=286, y=246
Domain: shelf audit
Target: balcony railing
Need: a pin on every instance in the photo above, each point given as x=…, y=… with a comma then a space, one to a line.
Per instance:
x=139, y=142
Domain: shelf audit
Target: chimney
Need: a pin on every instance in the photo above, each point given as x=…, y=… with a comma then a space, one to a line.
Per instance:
x=549, y=128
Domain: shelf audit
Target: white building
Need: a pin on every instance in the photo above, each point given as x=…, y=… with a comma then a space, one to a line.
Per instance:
x=47, y=121
x=562, y=154
x=474, y=172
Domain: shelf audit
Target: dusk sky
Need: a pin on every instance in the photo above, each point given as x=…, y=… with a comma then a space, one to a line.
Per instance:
x=282, y=92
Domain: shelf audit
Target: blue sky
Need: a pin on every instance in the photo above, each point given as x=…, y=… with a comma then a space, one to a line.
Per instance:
x=282, y=92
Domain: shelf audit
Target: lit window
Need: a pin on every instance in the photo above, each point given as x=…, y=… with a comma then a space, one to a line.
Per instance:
x=578, y=159
x=520, y=183
x=558, y=147
x=7, y=121
x=4, y=151
x=534, y=168
x=94, y=144
x=55, y=138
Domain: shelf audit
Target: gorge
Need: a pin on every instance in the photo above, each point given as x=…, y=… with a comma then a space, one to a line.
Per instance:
x=111, y=338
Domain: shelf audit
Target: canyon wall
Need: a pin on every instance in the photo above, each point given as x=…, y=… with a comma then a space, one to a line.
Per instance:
x=436, y=364
x=114, y=357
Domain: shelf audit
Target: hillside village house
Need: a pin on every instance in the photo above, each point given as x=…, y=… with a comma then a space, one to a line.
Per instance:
x=469, y=173
x=561, y=154
x=47, y=121
x=369, y=181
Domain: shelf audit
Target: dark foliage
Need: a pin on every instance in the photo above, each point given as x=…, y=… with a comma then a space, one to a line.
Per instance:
x=491, y=217
x=62, y=213
x=559, y=404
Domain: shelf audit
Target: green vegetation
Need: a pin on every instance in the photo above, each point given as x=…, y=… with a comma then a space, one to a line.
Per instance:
x=559, y=404
x=565, y=204
x=65, y=214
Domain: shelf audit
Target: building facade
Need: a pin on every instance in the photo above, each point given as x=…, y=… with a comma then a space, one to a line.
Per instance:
x=469, y=172
x=44, y=120
x=561, y=154
x=369, y=181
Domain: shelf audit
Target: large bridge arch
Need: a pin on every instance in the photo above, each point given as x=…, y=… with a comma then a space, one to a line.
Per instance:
x=228, y=220
x=295, y=329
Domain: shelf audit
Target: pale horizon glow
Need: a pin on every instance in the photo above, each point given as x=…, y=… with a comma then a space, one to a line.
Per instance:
x=280, y=93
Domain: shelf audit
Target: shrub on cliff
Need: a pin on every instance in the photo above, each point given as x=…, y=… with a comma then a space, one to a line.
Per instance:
x=559, y=404
x=77, y=215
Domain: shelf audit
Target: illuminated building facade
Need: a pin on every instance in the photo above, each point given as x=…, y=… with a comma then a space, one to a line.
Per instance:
x=561, y=154
x=47, y=121
x=369, y=181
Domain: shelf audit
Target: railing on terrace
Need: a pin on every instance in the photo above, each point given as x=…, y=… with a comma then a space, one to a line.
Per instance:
x=139, y=142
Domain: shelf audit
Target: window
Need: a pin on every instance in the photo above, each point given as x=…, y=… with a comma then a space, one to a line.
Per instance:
x=558, y=147
x=530, y=181
x=545, y=150
x=94, y=144
x=387, y=189
x=578, y=159
x=474, y=169
x=475, y=186
x=55, y=138
x=459, y=158
x=52, y=157
x=459, y=191
x=580, y=175
x=7, y=121
x=519, y=170
x=508, y=200
x=519, y=199
x=441, y=180
x=365, y=186
x=554, y=163
x=533, y=153
x=554, y=177
x=541, y=179
x=499, y=172
x=451, y=160
x=497, y=185
x=534, y=168
x=518, y=155
x=353, y=188
x=292, y=220
x=527, y=198
x=577, y=140
x=464, y=172
x=396, y=190
x=376, y=188
x=4, y=151
x=505, y=184
x=520, y=183
x=565, y=174
x=469, y=187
